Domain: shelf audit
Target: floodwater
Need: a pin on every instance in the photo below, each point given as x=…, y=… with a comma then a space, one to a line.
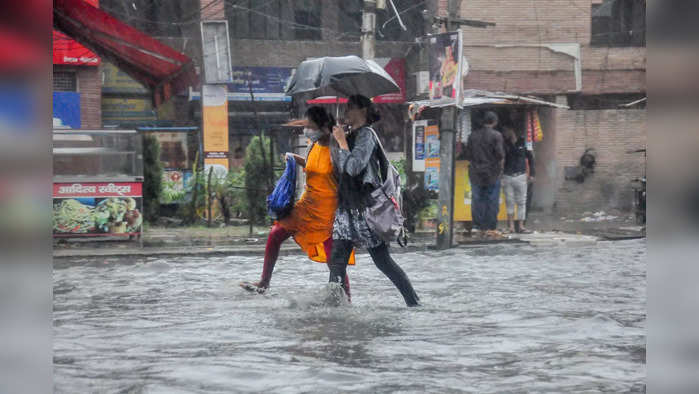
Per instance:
x=494, y=318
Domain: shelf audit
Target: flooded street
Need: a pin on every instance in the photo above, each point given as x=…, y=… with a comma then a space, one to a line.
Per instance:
x=494, y=318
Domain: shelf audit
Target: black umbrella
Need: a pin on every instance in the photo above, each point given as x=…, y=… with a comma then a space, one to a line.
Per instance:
x=340, y=76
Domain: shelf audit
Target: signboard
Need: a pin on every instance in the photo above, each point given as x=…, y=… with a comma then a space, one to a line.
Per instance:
x=117, y=109
x=462, y=195
x=395, y=67
x=67, y=51
x=215, y=125
x=97, y=208
x=66, y=109
x=268, y=83
x=445, y=54
x=217, y=55
x=116, y=81
x=432, y=156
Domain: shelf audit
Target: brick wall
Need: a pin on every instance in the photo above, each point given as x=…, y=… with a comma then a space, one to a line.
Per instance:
x=508, y=57
x=611, y=133
x=212, y=9
x=90, y=89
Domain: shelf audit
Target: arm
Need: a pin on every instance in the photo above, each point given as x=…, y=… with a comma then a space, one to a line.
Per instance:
x=356, y=160
x=467, y=153
x=499, y=150
x=530, y=159
x=300, y=160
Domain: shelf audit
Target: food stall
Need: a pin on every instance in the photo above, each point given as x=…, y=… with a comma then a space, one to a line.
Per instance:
x=97, y=183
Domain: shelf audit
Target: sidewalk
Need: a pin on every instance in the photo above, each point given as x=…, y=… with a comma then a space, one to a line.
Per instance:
x=235, y=240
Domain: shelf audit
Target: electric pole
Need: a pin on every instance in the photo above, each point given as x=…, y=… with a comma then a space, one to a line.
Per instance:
x=368, y=41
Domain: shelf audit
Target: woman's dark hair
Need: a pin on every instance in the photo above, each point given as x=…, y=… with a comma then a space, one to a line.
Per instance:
x=359, y=101
x=320, y=117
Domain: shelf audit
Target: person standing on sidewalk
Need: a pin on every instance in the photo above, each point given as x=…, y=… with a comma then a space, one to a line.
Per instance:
x=514, y=179
x=359, y=173
x=311, y=220
x=485, y=152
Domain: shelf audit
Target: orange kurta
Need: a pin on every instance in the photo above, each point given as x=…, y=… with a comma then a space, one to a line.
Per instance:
x=311, y=220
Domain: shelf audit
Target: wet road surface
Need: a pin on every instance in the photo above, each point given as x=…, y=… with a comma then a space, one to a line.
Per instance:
x=494, y=318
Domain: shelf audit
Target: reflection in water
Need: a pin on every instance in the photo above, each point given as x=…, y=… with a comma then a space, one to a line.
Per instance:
x=493, y=319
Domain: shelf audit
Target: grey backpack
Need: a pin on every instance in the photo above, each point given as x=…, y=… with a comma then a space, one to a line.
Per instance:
x=384, y=216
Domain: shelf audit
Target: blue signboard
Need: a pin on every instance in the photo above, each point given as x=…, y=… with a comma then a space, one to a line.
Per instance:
x=17, y=107
x=268, y=84
x=66, y=109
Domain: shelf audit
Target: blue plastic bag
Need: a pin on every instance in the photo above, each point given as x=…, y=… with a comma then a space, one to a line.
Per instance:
x=281, y=201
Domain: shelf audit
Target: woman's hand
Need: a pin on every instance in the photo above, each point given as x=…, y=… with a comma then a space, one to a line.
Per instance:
x=340, y=137
x=299, y=160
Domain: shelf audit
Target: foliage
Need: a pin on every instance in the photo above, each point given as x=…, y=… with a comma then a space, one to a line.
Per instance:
x=152, y=177
x=257, y=179
x=400, y=166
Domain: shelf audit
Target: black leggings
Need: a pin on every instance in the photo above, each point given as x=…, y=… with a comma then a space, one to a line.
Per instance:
x=338, y=268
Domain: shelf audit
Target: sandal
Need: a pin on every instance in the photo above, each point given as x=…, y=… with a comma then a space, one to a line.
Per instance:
x=525, y=231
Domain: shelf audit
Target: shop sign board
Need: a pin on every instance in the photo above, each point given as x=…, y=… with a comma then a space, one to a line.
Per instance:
x=97, y=208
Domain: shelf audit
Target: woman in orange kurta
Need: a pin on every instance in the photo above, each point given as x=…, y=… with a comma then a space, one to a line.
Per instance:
x=311, y=220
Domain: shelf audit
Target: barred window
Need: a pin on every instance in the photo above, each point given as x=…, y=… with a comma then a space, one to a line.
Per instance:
x=65, y=81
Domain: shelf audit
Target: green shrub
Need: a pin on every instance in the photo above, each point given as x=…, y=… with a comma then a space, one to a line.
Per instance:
x=152, y=177
x=257, y=179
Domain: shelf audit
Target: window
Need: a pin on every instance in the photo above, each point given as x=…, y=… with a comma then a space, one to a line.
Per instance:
x=619, y=23
x=307, y=20
x=350, y=19
x=387, y=25
x=65, y=81
x=254, y=19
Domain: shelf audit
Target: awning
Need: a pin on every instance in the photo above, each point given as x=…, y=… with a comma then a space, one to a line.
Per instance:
x=162, y=69
x=473, y=97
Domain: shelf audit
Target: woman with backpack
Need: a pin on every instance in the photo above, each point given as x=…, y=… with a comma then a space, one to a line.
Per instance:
x=311, y=219
x=358, y=168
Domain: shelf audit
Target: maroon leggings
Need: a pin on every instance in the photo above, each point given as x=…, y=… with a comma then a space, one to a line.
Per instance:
x=277, y=235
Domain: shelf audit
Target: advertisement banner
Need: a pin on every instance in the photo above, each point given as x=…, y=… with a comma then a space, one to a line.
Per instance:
x=462, y=195
x=97, y=208
x=67, y=51
x=117, y=110
x=395, y=67
x=267, y=83
x=445, y=55
x=97, y=189
x=173, y=186
x=215, y=126
x=432, y=157
x=419, y=127
x=115, y=80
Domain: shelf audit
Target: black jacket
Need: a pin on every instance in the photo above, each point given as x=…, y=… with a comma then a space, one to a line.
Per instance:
x=484, y=150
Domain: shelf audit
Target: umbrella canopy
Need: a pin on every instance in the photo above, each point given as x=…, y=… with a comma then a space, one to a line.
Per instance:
x=340, y=76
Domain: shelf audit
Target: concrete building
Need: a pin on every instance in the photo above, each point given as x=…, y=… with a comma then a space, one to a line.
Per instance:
x=587, y=54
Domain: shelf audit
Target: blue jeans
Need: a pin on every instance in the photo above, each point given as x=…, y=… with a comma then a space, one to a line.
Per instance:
x=485, y=201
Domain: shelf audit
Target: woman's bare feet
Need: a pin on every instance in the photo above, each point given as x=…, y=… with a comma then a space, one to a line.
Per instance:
x=254, y=287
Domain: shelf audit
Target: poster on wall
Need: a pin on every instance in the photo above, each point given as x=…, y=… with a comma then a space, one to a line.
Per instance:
x=419, y=127
x=432, y=156
x=445, y=54
x=97, y=209
x=174, y=186
x=462, y=195
x=215, y=125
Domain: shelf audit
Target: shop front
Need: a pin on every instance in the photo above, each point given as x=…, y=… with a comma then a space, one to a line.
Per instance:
x=97, y=183
x=440, y=129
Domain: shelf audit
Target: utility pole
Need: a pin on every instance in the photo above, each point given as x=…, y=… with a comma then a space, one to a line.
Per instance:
x=368, y=41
